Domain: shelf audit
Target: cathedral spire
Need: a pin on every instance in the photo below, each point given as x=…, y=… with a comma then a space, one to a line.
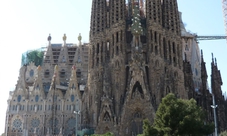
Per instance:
x=136, y=25
x=98, y=16
x=73, y=84
x=171, y=18
x=55, y=78
x=203, y=68
x=216, y=80
x=117, y=11
x=136, y=28
x=154, y=11
x=212, y=57
x=203, y=74
x=215, y=61
x=202, y=55
x=38, y=84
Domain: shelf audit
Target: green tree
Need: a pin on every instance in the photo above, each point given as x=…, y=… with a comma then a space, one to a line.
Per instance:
x=106, y=134
x=178, y=117
x=35, y=56
x=148, y=129
x=224, y=133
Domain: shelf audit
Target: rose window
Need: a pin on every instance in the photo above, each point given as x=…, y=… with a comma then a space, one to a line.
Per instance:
x=17, y=123
x=35, y=123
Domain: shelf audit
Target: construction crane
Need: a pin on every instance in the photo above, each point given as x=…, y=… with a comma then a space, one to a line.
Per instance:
x=199, y=38
x=224, y=7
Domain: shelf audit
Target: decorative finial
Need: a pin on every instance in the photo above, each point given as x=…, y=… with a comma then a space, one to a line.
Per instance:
x=215, y=61
x=202, y=55
x=55, y=68
x=212, y=57
x=39, y=68
x=49, y=38
x=73, y=67
x=64, y=37
x=79, y=37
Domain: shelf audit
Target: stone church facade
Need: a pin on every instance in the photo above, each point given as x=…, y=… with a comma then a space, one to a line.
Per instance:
x=135, y=57
x=135, y=60
x=47, y=98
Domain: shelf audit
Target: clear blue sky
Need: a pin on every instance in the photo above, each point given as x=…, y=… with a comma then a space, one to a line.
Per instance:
x=25, y=24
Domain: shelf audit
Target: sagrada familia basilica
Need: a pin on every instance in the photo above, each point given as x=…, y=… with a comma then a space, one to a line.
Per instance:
x=139, y=51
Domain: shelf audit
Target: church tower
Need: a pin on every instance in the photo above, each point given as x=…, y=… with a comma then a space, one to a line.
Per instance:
x=135, y=60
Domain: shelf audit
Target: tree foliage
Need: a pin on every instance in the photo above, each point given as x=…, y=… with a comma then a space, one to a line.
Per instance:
x=106, y=134
x=35, y=56
x=178, y=117
x=224, y=133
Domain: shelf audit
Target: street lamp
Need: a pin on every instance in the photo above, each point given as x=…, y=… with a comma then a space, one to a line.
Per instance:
x=77, y=112
x=214, y=106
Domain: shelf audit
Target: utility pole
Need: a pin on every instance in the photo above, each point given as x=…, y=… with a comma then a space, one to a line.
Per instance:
x=76, y=112
x=214, y=106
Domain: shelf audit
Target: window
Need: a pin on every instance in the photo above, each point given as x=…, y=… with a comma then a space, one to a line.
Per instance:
x=78, y=73
x=106, y=117
x=137, y=114
x=63, y=59
x=196, y=72
x=186, y=47
x=36, y=98
x=72, y=98
x=62, y=73
x=47, y=73
x=79, y=59
x=108, y=46
x=31, y=73
x=19, y=98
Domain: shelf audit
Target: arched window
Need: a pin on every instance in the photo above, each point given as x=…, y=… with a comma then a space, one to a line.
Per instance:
x=19, y=98
x=73, y=86
x=37, y=87
x=72, y=98
x=137, y=91
x=137, y=114
x=31, y=73
x=63, y=59
x=106, y=117
x=36, y=98
x=196, y=72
